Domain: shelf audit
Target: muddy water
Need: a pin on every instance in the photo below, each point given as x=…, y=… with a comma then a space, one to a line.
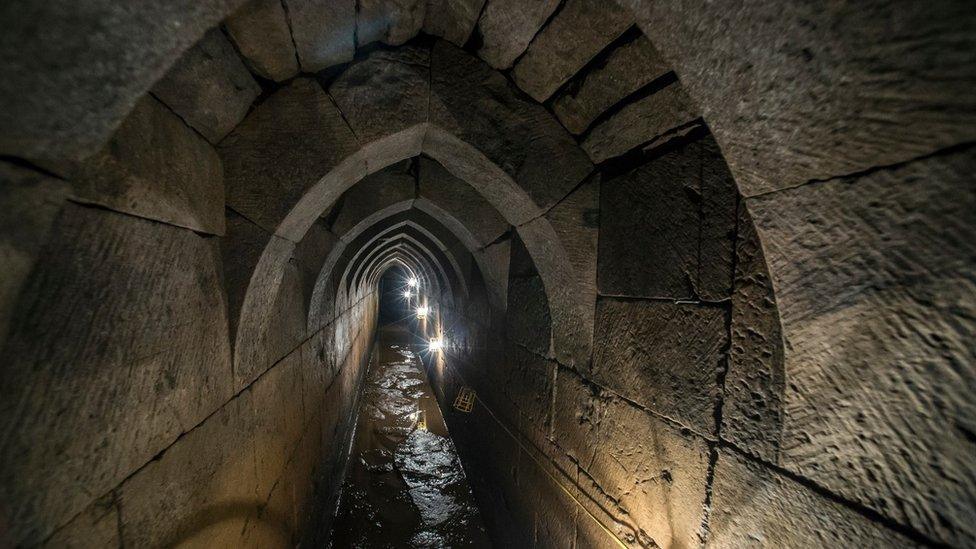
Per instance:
x=405, y=486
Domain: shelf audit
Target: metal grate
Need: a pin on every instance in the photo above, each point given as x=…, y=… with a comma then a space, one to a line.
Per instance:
x=465, y=400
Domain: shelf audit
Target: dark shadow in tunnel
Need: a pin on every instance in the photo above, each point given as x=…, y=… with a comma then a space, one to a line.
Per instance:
x=394, y=303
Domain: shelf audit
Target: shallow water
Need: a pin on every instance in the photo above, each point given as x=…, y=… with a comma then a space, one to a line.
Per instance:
x=405, y=486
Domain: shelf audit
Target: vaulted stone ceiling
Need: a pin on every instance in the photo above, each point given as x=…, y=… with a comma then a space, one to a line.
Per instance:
x=743, y=233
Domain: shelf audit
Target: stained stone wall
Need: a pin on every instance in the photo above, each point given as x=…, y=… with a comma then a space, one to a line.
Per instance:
x=709, y=268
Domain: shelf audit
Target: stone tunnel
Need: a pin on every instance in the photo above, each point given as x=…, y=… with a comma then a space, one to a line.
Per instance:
x=685, y=273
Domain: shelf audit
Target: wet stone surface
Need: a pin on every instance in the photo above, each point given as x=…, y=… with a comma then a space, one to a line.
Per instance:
x=405, y=486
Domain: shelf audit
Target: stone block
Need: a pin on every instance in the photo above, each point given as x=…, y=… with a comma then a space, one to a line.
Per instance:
x=626, y=69
x=576, y=34
x=576, y=220
x=201, y=491
x=31, y=202
x=799, y=93
x=479, y=106
x=380, y=190
x=529, y=382
x=209, y=87
x=389, y=21
x=647, y=123
x=642, y=478
x=452, y=20
x=262, y=35
x=755, y=507
x=665, y=356
x=875, y=291
x=527, y=320
x=324, y=32
x=679, y=243
x=310, y=255
x=74, y=70
x=752, y=413
x=461, y=201
x=507, y=27
x=96, y=526
x=120, y=314
x=494, y=265
x=387, y=92
x=155, y=167
x=281, y=149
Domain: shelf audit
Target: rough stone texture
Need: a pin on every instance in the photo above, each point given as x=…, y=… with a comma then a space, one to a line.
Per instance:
x=755, y=507
x=96, y=526
x=528, y=383
x=30, y=202
x=664, y=356
x=452, y=20
x=580, y=30
x=648, y=123
x=155, y=167
x=324, y=32
x=641, y=477
x=875, y=289
x=240, y=250
x=459, y=199
x=74, y=70
x=752, y=414
x=386, y=92
x=209, y=87
x=478, y=105
x=800, y=92
x=374, y=193
x=310, y=255
x=260, y=31
x=625, y=70
x=576, y=220
x=283, y=147
x=390, y=21
x=495, y=262
x=528, y=320
x=678, y=243
x=507, y=26
x=120, y=314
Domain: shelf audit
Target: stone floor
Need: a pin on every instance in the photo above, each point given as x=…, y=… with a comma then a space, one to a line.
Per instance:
x=405, y=486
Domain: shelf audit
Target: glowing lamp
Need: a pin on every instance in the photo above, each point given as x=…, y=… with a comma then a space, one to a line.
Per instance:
x=407, y=294
x=412, y=282
x=436, y=344
x=422, y=311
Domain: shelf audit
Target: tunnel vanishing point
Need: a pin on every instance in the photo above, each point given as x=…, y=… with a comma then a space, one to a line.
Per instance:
x=694, y=273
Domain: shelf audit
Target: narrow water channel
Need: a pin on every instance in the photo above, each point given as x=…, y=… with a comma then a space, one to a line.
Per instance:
x=405, y=486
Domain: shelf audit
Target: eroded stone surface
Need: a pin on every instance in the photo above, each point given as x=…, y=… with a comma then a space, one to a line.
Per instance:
x=753, y=506
x=625, y=70
x=646, y=480
x=875, y=290
x=678, y=243
x=461, y=201
x=386, y=92
x=374, y=193
x=507, y=27
x=452, y=20
x=209, y=87
x=390, y=21
x=139, y=317
x=155, y=167
x=260, y=31
x=283, y=147
x=580, y=30
x=665, y=356
x=31, y=202
x=59, y=106
x=752, y=415
x=96, y=526
x=795, y=93
x=648, y=122
x=478, y=106
x=324, y=32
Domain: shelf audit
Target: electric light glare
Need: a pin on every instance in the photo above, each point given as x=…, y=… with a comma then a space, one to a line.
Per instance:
x=407, y=294
x=422, y=312
x=412, y=282
x=436, y=344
